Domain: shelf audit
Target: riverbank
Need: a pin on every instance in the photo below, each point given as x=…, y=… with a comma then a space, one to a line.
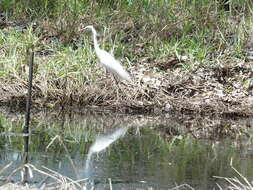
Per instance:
x=194, y=62
x=216, y=89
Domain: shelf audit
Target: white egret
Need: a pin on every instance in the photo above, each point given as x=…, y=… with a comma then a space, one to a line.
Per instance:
x=107, y=60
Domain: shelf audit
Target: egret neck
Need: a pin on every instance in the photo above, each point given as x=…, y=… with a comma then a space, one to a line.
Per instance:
x=95, y=39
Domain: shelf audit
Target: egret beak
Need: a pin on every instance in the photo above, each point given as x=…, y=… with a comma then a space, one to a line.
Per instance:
x=81, y=28
x=84, y=28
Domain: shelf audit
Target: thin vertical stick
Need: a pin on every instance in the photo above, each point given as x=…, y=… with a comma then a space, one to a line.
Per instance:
x=29, y=95
x=30, y=55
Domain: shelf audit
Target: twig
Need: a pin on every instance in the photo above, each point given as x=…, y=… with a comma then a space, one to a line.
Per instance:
x=5, y=167
x=183, y=185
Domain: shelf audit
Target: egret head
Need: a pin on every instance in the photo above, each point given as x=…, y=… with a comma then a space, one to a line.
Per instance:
x=90, y=27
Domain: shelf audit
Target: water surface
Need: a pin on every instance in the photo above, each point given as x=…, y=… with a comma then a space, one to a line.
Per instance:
x=157, y=152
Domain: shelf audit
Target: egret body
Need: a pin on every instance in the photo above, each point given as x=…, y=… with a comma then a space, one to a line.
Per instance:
x=107, y=60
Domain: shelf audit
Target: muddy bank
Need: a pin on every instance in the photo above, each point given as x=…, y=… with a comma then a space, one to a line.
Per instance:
x=218, y=89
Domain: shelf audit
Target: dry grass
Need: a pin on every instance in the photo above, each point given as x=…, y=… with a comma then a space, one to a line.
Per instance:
x=65, y=183
x=149, y=93
x=236, y=183
x=193, y=60
x=60, y=181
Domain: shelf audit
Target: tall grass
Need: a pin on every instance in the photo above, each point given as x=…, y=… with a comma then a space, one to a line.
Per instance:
x=132, y=30
x=196, y=24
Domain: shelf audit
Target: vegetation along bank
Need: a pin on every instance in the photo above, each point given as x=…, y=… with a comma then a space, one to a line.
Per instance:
x=183, y=56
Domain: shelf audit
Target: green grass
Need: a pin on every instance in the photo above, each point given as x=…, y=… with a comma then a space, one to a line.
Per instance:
x=135, y=30
x=166, y=28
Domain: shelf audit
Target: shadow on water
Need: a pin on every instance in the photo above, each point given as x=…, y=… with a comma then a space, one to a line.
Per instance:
x=130, y=152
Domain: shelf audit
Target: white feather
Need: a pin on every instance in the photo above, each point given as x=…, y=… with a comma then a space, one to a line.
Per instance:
x=107, y=60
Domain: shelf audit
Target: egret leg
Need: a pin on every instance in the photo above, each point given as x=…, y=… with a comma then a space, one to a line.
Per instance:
x=119, y=89
x=116, y=81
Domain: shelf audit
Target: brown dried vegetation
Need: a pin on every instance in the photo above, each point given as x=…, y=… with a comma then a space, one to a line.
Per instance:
x=203, y=90
x=184, y=62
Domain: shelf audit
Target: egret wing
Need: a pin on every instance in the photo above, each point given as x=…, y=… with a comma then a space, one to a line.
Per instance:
x=111, y=64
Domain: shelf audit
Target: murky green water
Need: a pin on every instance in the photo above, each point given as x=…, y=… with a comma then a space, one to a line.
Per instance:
x=157, y=152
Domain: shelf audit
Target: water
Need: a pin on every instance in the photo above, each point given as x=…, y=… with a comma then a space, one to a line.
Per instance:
x=134, y=152
x=101, y=143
